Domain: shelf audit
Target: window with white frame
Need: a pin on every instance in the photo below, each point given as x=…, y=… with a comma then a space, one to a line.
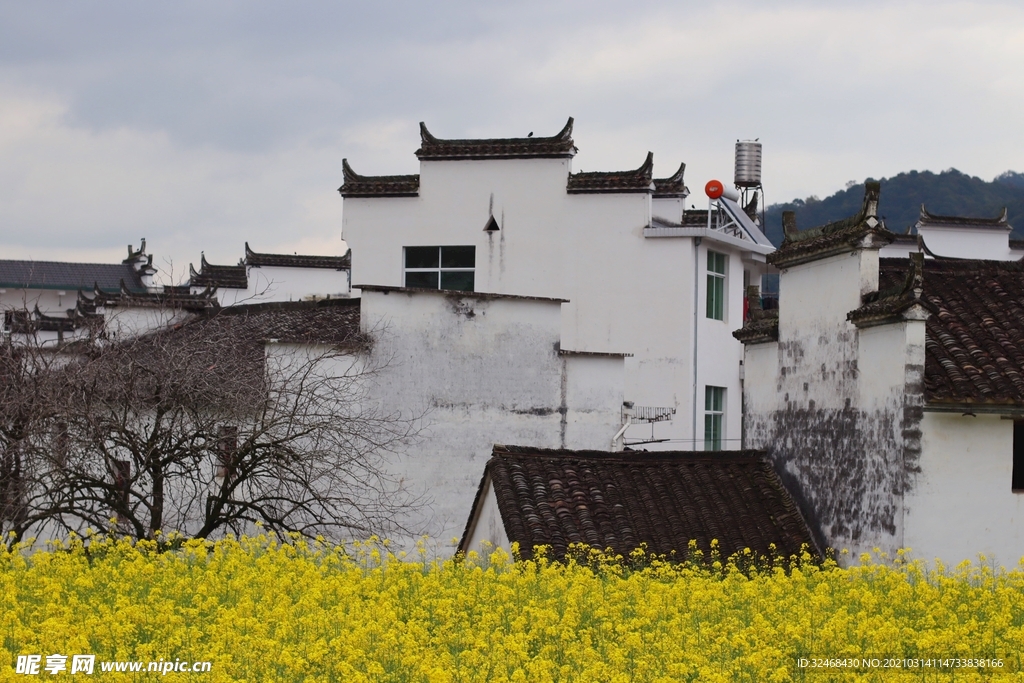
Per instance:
x=440, y=267
x=716, y=285
x=714, y=417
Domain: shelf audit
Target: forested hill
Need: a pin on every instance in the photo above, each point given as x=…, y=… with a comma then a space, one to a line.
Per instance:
x=950, y=193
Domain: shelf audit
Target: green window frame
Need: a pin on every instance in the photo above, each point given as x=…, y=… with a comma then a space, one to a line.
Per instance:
x=716, y=286
x=714, y=417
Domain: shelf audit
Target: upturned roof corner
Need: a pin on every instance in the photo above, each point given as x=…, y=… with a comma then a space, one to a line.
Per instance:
x=863, y=230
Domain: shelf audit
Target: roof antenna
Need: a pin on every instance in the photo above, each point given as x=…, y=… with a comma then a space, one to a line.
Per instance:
x=530, y=135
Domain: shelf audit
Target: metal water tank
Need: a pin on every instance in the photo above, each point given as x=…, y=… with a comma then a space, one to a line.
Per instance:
x=748, y=163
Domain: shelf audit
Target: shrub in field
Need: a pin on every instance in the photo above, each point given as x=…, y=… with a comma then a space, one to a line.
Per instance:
x=267, y=609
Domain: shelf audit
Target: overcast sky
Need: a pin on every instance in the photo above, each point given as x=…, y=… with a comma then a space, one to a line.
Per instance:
x=202, y=125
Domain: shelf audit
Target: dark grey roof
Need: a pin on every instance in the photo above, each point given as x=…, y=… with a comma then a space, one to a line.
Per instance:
x=673, y=186
x=356, y=185
x=838, y=237
x=328, y=321
x=590, y=182
x=68, y=276
x=662, y=500
x=226, y=277
x=297, y=260
x=928, y=219
x=559, y=145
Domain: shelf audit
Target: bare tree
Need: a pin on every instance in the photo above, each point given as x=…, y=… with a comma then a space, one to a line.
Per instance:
x=250, y=414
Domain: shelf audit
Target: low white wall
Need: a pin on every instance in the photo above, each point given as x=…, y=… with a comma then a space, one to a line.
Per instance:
x=961, y=503
x=478, y=371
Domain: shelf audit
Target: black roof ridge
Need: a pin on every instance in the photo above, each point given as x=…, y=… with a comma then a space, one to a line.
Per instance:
x=672, y=186
x=258, y=259
x=434, y=148
x=242, y=309
x=862, y=229
x=636, y=180
x=997, y=222
x=356, y=185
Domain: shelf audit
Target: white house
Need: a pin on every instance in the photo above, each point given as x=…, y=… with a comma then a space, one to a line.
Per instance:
x=957, y=237
x=889, y=391
x=642, y=275
x=60, y=301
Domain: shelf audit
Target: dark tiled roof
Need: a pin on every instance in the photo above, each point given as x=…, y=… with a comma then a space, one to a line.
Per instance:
x=695, y=217
x=929, y=219
x=614, y=181
x=68, y=276
x=171, y=297
x=664, y=500
x=377, y=185
x=436, y=149
x=974, y=348
x=801, y=246
x=761, y=326
x=890, y=303
x=672, y=186
x=759, y=331
x=328, y=321
x=297, y=260
x=221, y=277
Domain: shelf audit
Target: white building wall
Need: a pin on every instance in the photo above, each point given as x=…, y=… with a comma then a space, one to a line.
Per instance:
x=52, y=302
x=477, y=371
x=837, y=407
x=628, y=293
x=488, y=531
x=961, y=504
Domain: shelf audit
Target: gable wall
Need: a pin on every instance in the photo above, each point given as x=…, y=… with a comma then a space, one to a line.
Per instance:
x=831, y=404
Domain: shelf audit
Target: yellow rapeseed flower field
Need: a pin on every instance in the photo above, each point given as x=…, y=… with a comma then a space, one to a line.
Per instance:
x=266, y=609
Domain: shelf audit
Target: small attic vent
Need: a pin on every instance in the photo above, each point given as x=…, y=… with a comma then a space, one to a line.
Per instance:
x=492, y=225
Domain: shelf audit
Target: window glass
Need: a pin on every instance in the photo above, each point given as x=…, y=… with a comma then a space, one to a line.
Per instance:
x=457, y=280
x=458, y=257
x=714, y=412
x=716, y=286
x=426, y=280
x=421, y=257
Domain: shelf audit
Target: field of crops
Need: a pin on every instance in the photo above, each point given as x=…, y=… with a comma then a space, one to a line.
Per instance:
x=259, y=609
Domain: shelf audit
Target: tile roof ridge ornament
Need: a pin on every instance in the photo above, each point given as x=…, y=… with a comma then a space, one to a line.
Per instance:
x=863, y=230
x=906, y=302
x=928, y=218
x=434, y=148
x=357, y=185
x=637, y=180
x=672, y=186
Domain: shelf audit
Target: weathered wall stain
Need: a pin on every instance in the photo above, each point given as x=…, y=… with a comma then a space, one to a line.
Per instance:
x=846, y=444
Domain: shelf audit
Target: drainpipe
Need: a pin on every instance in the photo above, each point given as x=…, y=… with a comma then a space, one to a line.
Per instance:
x=627, y=412
x=696, y=308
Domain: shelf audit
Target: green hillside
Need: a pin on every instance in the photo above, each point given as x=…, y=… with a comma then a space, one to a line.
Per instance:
x=950, y=193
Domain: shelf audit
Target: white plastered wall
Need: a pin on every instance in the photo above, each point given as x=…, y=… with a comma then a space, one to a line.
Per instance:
x=961, y=503
x=628, y=293
x=478, y=371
